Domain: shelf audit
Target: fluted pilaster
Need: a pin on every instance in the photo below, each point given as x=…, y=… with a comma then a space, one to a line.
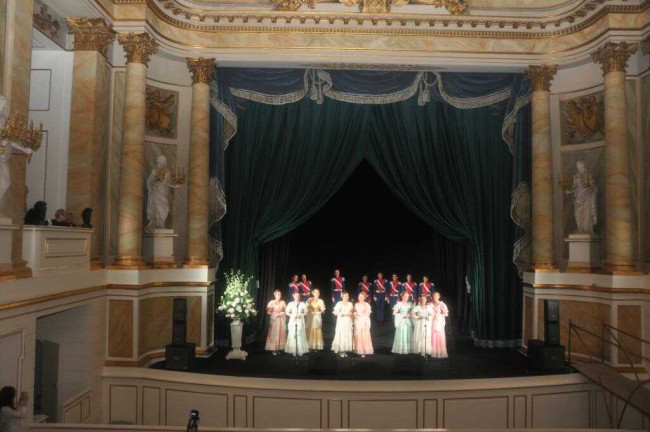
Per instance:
x=198, y=175
x=542, y=170
x=138, y=48
x=613, y=59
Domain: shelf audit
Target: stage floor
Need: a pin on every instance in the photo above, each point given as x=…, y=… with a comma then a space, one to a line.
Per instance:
x=466, y=361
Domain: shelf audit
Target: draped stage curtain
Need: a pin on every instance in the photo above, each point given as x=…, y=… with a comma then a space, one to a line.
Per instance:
x=454, y=159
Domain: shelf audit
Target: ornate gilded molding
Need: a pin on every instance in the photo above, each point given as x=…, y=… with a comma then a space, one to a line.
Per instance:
x=138, y=47
x=201, y=69
x=93, y=34
x=578, y=19
x=454, y=7
x=540, y=76
x=645, y=45
x=613, y=56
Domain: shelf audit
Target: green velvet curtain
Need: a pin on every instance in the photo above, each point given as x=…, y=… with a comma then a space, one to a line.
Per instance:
x=449, y=166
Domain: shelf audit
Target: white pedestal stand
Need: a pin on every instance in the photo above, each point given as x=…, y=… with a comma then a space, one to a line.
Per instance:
x=6, y=232
x=236, y=330
x=158, y=248
x=584, y=252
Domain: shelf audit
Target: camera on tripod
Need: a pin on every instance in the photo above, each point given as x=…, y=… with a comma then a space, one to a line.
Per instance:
x=193, y=423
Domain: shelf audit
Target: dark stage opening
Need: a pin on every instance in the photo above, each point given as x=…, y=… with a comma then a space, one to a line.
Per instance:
x=364, y=229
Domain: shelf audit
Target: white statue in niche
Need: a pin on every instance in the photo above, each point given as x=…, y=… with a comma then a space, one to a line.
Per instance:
x=585, y=193
x=159, y=185
x=6, y=149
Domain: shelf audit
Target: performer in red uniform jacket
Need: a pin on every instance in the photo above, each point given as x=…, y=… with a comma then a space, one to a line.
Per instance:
x=409, y=287
x=365, y=287
x=293, y=286
x=337, y=286
x=305, y=287
x=425, y=288
x=394, y=290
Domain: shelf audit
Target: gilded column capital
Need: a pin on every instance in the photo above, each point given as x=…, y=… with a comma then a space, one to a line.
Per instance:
x=91, y=34
x=613, y=56
x=540, y=76
x=645, y=45
x=201, y=69
x=138, y=47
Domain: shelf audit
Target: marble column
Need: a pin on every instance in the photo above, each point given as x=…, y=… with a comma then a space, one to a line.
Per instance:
x=138, y=48
x=542, y=167
x=613, y=58
x=88, y=120
x=16, y=68
x=198, y=172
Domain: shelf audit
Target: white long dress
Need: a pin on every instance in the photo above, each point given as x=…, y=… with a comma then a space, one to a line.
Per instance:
x=343, y=341
x=422, y=326
x=296, y=337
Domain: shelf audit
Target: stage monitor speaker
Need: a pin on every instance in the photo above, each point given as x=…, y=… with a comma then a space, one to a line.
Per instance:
x=544, y=357
x=179, y=333
x=322, y=364
x=179, y=311
x=408, y=365
x=551, y=311
x=552, y=333
x=180, y=357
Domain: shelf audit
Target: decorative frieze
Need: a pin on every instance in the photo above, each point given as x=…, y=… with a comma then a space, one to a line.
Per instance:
x=645, y=45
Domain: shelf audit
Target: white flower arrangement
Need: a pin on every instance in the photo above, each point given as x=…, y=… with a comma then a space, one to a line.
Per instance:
x=236, y=303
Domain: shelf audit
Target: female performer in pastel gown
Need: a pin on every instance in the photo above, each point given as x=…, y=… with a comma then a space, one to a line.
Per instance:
x=343, y=310
x=276, y=338
x=362, y=339
x=315, y=308
x=422, y=325
x=438, y=337
x=403, y=325
x=296, y=339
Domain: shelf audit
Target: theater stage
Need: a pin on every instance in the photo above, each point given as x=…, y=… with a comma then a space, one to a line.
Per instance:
x=466, y=361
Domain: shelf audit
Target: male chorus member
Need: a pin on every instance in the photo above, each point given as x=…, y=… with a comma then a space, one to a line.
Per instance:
x=425, y=288
x=276, y=338
x=409, y=287
x=362, y=340
x=315, y=308
x=337, y=286
x=438, y=337
x=364, y=287
x=394, y=290
x=305, y=287
x=344, y=311
x=379, y=294
x=422, y=326
x=293, y=286
x=296, y=339
x=403, y=325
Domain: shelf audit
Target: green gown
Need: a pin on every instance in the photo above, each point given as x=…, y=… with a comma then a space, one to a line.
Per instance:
x=403, y=329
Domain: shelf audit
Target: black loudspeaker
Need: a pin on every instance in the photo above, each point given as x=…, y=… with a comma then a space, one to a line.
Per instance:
x=552, y=333
x=179, y=333
x=544, y=357
x=179, y=311
x=552, y=311
x=408, y=365
x=180, y=357
x=322, y=364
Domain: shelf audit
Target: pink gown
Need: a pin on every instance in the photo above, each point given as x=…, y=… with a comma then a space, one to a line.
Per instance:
x=276, y=338
x=438, y=337
x=362, y=339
